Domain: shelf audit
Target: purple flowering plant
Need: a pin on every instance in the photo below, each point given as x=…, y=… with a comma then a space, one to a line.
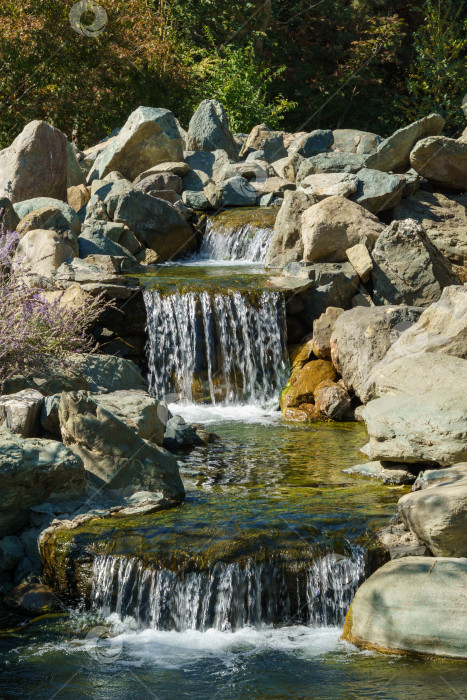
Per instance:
x=37, y=331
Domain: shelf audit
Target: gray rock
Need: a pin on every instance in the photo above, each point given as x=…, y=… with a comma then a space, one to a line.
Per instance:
x=388, y=472
x=20, y=412
x=107, y=373
x=11, y=552
x=378, y=191
x=435, y=477
x=156, y=223
x=414, y=373
x=209, y=130
x=33, y=471
x=160, y=181
x=322, y=331
x=150, y=136
x=441, y=160
x=179, y=434
x=330, y=163
x=100, y=278
x=196, y=200
x=8, y=217
x=75, y=175
x=393, y=154
x=35, y=165
x=28, y=206
x=180, y=169
x=29, y=540
x=444, y=220
x=414, y=604
x=324, y=185
x=113, y=452
x=49, y=415
x=236, y=192
x=92, y=242
x=361, y=338
x=438, y=516
x=408, y=268
x=428, y=428
x=355, y=141
x=212, y=164
x=318, y=141
x=138, y=411
x=333, y=225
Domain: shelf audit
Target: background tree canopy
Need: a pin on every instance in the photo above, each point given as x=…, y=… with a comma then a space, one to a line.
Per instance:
x=295, y=64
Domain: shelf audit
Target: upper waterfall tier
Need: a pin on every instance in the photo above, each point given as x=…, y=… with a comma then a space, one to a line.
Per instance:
x=242, y=235
x=216, y=347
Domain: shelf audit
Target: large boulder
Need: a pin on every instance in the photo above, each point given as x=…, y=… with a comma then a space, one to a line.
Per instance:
x=361, y=338
x=393, y=154
x=438, y=515
x=20, y=412
x=40, y=253
x=113, y=452
x=94, y=241
x=412, y=373
x=408, y=268
x=156, y=223
x=331, y=284
x=332, y=400
x=322, y=185
x=106, y=373
x=441, y=160
x=49, y=213
x=414, y=604
x=286, y=243
x=443, y=218
x=150, y=136
x=378, y=191
x=261, y=138
x=33, y=471
x=309, y=145
x=322, y=331
x=330, y=163
x=333, y=225
x=35, y=165
x=427, y=428
x=355, y=141
x=137, y=410
x=209, y=130
x=160, y=181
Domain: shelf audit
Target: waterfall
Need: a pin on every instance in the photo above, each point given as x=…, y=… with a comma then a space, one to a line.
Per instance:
x=246, y=243
x=229, y=596
x=219, y=348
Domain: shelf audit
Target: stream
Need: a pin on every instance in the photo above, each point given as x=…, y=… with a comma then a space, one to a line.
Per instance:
x=242, y=591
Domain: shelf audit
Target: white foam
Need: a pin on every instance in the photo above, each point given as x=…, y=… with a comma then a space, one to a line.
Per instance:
x=248, y=413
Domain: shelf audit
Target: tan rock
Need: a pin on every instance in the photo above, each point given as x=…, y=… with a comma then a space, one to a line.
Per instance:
x=78, y=197
x=441, y=160
x=41, y=252
x=181, y=169
x=303, y=382
x=301, y=354
x=333, y=225
x=360, y=259
x=322, y=185
x=332, y=400
x=322, y=331
x=305, y=413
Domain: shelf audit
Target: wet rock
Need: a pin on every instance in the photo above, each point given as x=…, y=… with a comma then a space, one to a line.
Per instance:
x=303, y=382
x=393, y=154
x=388, y=472
x=286, y=243
x=11, y=552
x=442, y=161
x=209, y=129
x=179, y=434
x=378, y=191
x=306, y=413
x=113, y=452
x=32, y=599
x=428, y=428
x=408, y=268
x=150, y=136
x=333, y=225
x=32, y=471
x=20, y=412
x=332, y=400
x=386, y=614
x=438, y=515
x=361, y=338
x=322, y=331
x=35, y=165
x=355, y=141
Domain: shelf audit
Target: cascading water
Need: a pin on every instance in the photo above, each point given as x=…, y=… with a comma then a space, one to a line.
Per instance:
x=229, y=596
x=241, y=243
x=221, y=348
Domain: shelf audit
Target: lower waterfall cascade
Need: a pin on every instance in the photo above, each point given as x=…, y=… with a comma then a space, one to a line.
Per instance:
x=223, y=347
x=231, y=595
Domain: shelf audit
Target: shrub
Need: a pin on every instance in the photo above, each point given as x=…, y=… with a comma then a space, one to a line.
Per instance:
x=37, y=333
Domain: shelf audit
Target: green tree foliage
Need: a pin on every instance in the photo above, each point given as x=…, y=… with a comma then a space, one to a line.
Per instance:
x=437, y=79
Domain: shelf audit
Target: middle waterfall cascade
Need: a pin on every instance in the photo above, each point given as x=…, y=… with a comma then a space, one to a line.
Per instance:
x=240, y=243
x=229, y=596
x=217, y=347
